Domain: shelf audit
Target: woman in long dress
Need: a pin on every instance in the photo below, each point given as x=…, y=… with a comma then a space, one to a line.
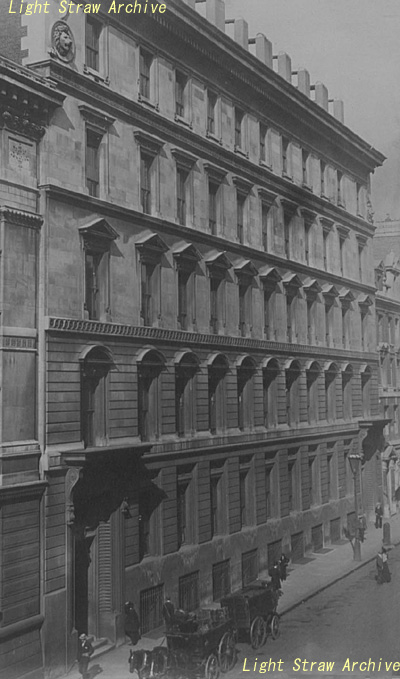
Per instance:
x=382, y=567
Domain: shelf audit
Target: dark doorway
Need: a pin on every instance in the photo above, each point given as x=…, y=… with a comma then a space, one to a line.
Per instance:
x=297, y=543
x=81, y=577
x=317, y=538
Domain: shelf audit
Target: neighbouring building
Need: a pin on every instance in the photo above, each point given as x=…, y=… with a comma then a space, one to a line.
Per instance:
x=386, y=246
x=188, y=320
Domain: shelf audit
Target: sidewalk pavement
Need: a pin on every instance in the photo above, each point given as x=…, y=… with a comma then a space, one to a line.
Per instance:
x=305, y=579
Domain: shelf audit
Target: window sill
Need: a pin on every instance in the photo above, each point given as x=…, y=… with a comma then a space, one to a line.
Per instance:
x=146, y=102
x=97, y=77
x=287, y=176
x=183, y=121
x=307, y=187
x=240, y=151
x=213, y=137
x=263, y=163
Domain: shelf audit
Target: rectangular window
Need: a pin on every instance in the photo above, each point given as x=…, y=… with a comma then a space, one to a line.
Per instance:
x=216, y=304
x=92, y=162
x=249, y=567
x=181, y=177
x=181, y=502
x=145, y=62
x=240, y=203
x=286, y=235
x=144, y=524
x=304, y=166
x=149, y=296
x=221, y=579
x=325, y=235
x=217, y=502
x=345, y=327
x=310, y=321
x=291, y=479
x=145, y=182
x=93, y=31
x=269, y=311
x=285, y=157
x=341, y=255
x=180, y=86
x=264, y=225
x=183, y=283
x=212, y=207
x=268, y=490
x=238, y=128
x=311, y=463
x=151, y=603
x=263, y=148
x=323, y=171
x=97, y=294
x=360, y=262
x=243, y=308
x=189, y=598
x=289, y=318
x=211, y=112
x=339, y=196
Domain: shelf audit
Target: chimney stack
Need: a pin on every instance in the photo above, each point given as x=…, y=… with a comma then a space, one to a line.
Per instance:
x=285, y=66
x=321, y=95
x=303, y=81
x=241, y=33
x=263, y=49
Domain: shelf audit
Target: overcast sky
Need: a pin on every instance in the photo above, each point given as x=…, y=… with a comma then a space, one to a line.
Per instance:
x=353, y=46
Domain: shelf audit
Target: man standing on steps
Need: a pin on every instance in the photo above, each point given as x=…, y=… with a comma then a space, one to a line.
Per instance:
x=85, y=650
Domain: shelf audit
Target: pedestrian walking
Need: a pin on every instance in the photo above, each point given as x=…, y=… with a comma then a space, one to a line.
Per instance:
x=362, y=527
x=382, y=567
x=275, y=576
x=283, y=562
x=168, y=612
x=378, y=515
x=132, y=623
x=85, y=650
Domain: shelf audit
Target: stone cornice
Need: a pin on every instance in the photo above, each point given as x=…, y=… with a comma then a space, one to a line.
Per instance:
x=85, y=327
x=387, y=303
x=20, y=217
x=185, y=26
x=189, y=234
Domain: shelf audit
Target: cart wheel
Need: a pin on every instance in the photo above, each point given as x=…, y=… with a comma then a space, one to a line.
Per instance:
x=258, y=632
x=211, y=670
x=274, y=626
x=227, y=652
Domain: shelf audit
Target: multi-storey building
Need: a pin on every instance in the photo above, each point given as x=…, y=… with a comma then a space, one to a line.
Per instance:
x=386, y=244
x=188, y=309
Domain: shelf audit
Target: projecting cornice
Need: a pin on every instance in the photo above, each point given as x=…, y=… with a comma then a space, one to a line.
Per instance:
x=21, y=218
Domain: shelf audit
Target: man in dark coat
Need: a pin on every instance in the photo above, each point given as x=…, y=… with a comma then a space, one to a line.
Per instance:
x=275, y=576
x=168, y=612
x=85, y=650
x=283, y=562
x=378, y=515
x=132, y=623
x=382, y=567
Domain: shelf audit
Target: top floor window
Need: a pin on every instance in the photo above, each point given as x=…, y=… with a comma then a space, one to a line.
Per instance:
x=93, y=31
x=339, y=190
x=304, y=166
x=239, y=115
x=145, y=62
x=93, y=140
x=181, y=82
x=285, y=157
x=211, y=112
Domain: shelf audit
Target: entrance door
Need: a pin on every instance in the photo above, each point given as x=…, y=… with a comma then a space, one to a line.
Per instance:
x=297, y=544
x=317, y=537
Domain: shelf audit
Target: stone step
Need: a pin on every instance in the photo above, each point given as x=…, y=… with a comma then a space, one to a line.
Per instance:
x=100, y=646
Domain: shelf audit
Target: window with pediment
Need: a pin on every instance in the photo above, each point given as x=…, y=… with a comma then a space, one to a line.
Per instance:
x=97, y=238
x=151, y=249
x=217, y=266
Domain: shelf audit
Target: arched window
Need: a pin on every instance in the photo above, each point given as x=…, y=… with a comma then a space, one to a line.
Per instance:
x=217, y=370
x=366, y=374
x=245, y=393
x=270, y=392
x=347, y=397
x=292, y=375
x=330, y=391
x=313, y=371
x=150, y=366
x=96, y=362
x=186, y=367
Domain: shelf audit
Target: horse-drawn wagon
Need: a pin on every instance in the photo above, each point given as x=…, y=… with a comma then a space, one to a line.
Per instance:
x=253, y=612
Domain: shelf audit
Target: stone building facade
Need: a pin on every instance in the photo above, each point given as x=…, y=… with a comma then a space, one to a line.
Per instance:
x=386, y=245
x=188, y=321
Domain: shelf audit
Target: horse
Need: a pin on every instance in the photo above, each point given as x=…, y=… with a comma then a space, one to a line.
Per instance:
x=148, y=664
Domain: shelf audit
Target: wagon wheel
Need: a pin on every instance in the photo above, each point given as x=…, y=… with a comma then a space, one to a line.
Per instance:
x=274, y=626
x=258, y=632
x=226, y=652
x=211, y=670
